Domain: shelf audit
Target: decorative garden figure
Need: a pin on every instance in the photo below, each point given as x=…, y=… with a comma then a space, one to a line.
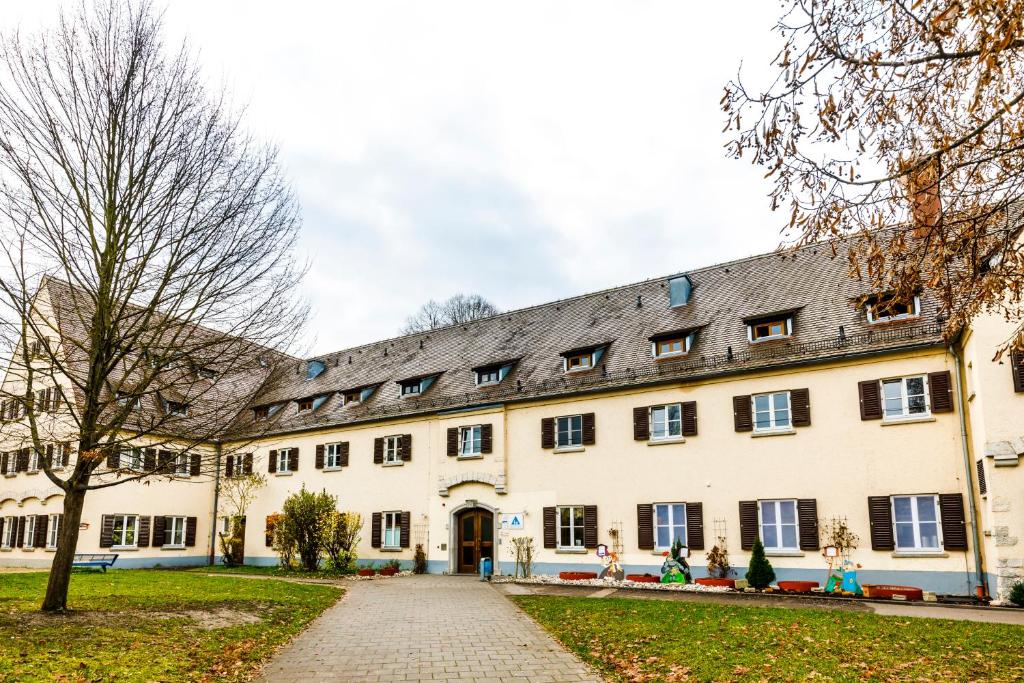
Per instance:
x=675, y=568
x=612, y=568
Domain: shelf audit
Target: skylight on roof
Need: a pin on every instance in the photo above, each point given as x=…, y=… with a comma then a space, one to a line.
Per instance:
x=314, y=368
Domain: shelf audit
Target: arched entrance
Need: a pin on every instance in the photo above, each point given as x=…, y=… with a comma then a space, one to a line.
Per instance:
x=475, y=539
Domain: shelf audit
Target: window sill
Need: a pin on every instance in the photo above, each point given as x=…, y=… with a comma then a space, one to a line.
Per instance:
x=776, y=337
x=579, y=371
x=919, y=553
x=172, y=547
x=392, y=464
x=124, y=548
x=391, y=550
x=570, y=449
x=282, y=474
x=32, y=473
x=570, y=551
x=28, y=550
x=772, y=432
x=664, y=442
x=672, y=356
x=337, y=468
x=474, y=456
x=51, y=550
x=6, y=550
x=888, y=422
x=783, y=553
x=11, y=475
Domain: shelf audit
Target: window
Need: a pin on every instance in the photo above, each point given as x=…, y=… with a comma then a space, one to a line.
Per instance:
x=305, y=405
x=488, y=376
x=666, y=422
x=905, y=397
x=131, y=459
x=771, y=411
x=770, y=329
x=411, y=388
x=352, y=397
x=669, y=524
x=53, y=531
x=392, y=530
x=225, y=526
x=916, y=522
x=284, y=460
x=392, y=454
x=33, y=460
x=675, y=345
x=887, y=308
x=181, y=465
x=469, y=441
x=579, y=361
x=129, y=400
x=176, y=408
x=10, y=532
x=174, y=532
x=315, y=368
x=207, y=373
x=59, y=455
x=261, y=412
x=779, y=525
x=237, y=464
x=332, y=455
x=28, y=539
x=125, y=531
x=569, y=431
x=570, y=526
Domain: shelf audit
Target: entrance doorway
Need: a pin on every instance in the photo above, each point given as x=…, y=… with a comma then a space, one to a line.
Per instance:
x=476, y=539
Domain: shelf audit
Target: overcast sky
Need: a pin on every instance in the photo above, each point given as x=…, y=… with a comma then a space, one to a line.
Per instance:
x=526, y=151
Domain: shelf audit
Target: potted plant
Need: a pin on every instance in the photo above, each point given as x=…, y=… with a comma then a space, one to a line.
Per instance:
x=643, y=578
x=759, y=572
x=577, y=576
x=368, y=571
x=718, y=567
x=390, y=568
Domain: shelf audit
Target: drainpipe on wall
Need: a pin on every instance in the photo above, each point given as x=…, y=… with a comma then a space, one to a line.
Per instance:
x=968, y=469
x=216, y=502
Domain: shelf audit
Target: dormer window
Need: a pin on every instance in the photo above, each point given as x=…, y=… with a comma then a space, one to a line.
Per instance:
x=769, y=327
x=411, y=388
x=358, y=395
x=351, y=397
x=176, y=408
x=672, y=344
x=206, y=373
x=414, y=386
x=129, y=400
x=494, y=373
x=261, y=412
x=305, y=405
x=887, y=308
x=314, y=368
x=583, y=359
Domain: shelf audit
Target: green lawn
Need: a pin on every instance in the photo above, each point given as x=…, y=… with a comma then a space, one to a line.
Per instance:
x=655, y=640
x=275, y=570
x=141, y=625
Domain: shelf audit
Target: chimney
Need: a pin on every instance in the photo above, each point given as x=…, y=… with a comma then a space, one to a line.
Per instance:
x=925, y=200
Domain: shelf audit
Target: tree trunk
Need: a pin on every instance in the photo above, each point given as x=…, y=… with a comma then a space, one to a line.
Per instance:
x=56, y=599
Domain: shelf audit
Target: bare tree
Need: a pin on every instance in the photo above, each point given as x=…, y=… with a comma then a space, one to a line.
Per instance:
x=148, y=277
x=455, y=310
x=900, y=122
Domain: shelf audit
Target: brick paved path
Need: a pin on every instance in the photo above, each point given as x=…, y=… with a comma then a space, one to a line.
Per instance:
x=425, y=628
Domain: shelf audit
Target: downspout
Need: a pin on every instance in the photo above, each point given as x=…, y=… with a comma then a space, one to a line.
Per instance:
x=968, y=469
x=216, y=502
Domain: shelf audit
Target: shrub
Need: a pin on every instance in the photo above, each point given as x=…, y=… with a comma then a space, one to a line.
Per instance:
x=759, y=573
x=281, y=539
x=306, y=520
x=341, y=539
x=718, y=561
x=524, y=555
x=419, y=560
x=232, y=544
x=393, y=564
x=1017, y=594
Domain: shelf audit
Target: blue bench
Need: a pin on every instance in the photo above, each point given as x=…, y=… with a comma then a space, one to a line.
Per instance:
x=101, y=560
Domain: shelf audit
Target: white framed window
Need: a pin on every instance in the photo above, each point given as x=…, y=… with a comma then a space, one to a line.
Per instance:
x=774, y=328
x=131, y=459
x=469, y=441
x=392, y=530
x=666, y=422
x=392, y=450
x=28, y=539
x=126, y=531
x=10, y=536
x=181, y=465
x=779, y=526
x=332, y=455
x=52, y=531
x=59, y=455
x=669, y=524
x=905, y=397
x=174, y=532
x=578, y=362
x=570, y=526
x=887, y=309
x=33, y=460
x=488, y=376
x=569, y=431
x=237, y=464
x=284, y=460
x=351, y=398
x=771, y=411
x=225, y=526
x=129, y=400
x=916, y=523
x=668, y=348
x=411, y=388
x=176, y=408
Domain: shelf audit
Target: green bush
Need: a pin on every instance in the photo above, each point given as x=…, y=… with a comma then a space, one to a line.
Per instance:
x=305, y=521
x=1017, y=594
x=419, y=560
x=759, y=572
x=341, y=539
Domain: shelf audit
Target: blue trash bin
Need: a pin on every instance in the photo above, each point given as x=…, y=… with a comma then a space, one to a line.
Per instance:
x=486, y=568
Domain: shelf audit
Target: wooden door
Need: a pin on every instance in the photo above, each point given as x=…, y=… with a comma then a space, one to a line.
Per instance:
x=476, y=539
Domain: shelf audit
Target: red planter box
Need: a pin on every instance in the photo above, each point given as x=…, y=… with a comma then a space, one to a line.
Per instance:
x=643, y=578
x=576, y=576
x=728, y=583
x=388, y=571
x=367, y=572
x=798, y=586
x=886, y=591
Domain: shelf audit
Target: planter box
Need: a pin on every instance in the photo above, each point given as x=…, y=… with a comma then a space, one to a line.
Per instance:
x=643, y=578
x=577, y=576
x=367, y=572
x=388, y=571
x=708, y=581
x=886, y=591
x=797, y=586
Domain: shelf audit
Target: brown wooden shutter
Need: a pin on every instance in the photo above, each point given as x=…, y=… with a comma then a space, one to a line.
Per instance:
x=107, y=531
x=375, y=521
x=644, y=524
x=247, y=463
x=293, y=460
x=190, y=531
x=3, y=463
x=165, y=460
x=20, y=541
x=272, y=462
x=142, y=540
x=689, y=410
x=547, y=432
x=268, y=534
x=642, y=425
x=807, y=518
x=486, y=438
x=343, y=459
x=1, y=527
x=159, y=531
x=196, y=466
x=378, y=453
x=41, y=523
x=229, y=466
x=695, y=526
x=589, y=526
x=48, y=460
x=318, y=461
x=748, y=524
x=880, y=516
x=149, y=459
x=113, y=459
x=550, y=532
x=742, y=414
x=23, y=459
x=405, y=447
x=982, y=484
x=404, y=530
x=940, y=386
x=589, y=432
x=954, y=525
x=1017, y=368
x=453, y=441
x=800, y=404
x=870, y=399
